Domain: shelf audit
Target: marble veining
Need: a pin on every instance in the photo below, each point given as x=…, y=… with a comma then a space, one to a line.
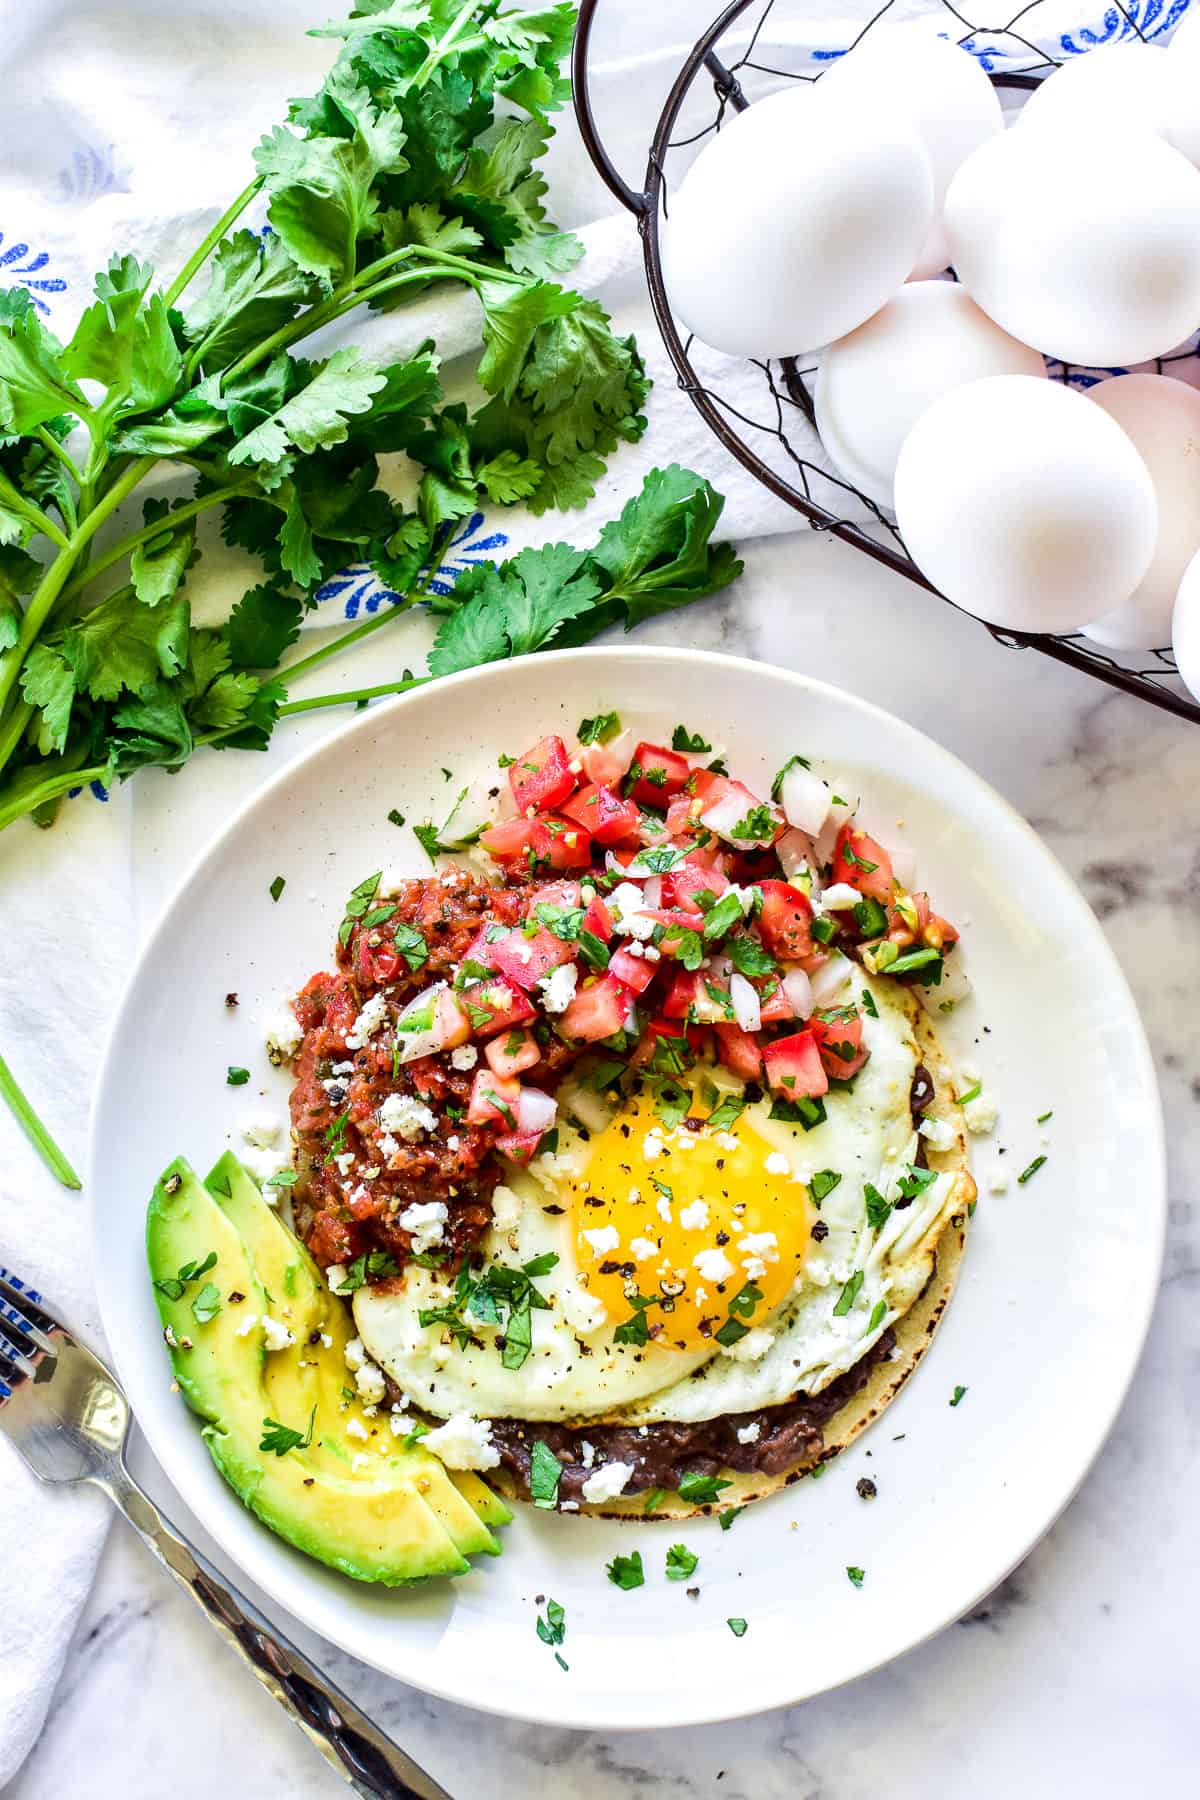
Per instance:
x=1080, y=1672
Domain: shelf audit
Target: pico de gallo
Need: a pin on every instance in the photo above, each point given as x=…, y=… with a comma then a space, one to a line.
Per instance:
x=628, y=898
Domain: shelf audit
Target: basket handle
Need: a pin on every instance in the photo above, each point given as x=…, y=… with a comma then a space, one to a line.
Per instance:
x=635, y=202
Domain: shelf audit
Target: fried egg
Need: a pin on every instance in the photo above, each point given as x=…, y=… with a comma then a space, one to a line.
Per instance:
x=687, y=1270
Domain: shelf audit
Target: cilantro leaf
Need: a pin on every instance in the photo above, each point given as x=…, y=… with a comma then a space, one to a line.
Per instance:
x=681, y=1562
x=700, y=1489
x=545, y=1472
x=279, y=1439
x=317, y=415
x=626, y=1571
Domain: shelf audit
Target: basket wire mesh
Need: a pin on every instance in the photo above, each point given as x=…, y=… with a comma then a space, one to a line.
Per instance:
x=748, y=50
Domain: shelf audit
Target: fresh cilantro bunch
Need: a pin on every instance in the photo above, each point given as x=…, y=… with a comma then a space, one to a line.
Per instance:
x=414, y=165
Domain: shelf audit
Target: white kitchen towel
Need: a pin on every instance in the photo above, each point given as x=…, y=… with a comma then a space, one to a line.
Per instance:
x=129, y=126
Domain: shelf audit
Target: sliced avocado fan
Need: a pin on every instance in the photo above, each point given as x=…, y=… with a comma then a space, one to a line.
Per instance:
x=284, y=1425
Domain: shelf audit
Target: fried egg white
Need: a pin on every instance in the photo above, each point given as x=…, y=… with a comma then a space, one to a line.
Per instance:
x=708, y=1237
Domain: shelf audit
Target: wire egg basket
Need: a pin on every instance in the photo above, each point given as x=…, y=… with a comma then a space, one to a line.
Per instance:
x=751, y=49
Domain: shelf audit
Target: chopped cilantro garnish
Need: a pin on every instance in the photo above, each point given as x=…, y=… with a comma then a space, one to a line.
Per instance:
x=725, y=1519
x=395, y=817
x=791, y=763
x=553, y=1628
x=593, y=950
x=545, y=1472
x=748, y=956
x=758, y=824
x=358, y=905
x=701, y=1489
x=806, y=1111
x=276, y=888
x=726, y=913
x=690, y=741
x=635, y=1330
x=626, y=1571
x=335, y=1134
x=605, y=1075
x=972, y=1093
x=1043, y=1118
x=671, y=1104
x=655, y=860
x=868, y=1003
x=207, y=1303
x=914, y=1182
x=282, y=1178
x=726, y=1113
x=375, y=1262
x=681, y=1562
x=600, y=729
x=856, y=1576
x=856, y=862
x=236, y=1077
x=687, y=946
x=280, y=1439
x=654, y=1500
x=957, y=1395
x=1031, y=1171
x=173, y=1285
x=739, y=1627
x=878, y=1314
x=849, y=1294
x=562, y=922
x=408, y=942
x=822, y=1183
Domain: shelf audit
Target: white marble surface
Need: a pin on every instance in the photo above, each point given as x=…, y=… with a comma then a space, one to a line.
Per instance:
x=1081, y=1672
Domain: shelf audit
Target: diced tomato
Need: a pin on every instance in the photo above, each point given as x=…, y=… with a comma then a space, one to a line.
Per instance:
x=567, y=846
x=793, y=1066
x=606, y=763
x=739, y=1051
x=862, y=862
x=689, y=998
x=682, y=994
x=682, y=884
x=510, y=840
x=676, y=921
x=332, y=1240
x=506, y=1004
x=598, y=920
x=683, y=814
x=564, y=892
x=634, y=971
x=599, y=1009
x=663, y=773
x=519, y=1146
x=936, y=932
x=524, y=960
x=451, y=1023
x=493, y=1097
x=341, y=1010
x=786, y=921
x=479, y=950
x=839, y=1039
x=602, y=811
x=774, y=1003
x=692, y=1037
x=542, y=778
x=374, y=965
x=515, y=1051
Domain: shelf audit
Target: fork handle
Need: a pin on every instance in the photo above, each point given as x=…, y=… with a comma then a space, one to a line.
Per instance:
x=365, y=1756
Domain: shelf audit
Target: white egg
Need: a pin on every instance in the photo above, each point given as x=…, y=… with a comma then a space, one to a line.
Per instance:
x=945, y=92
x=1161, y=417
x=1183, y=126
x=1083, y=241
x=1185, y=627
x=874, y=384
x=796, y=223
x=1025, y=504
x=1129, y=83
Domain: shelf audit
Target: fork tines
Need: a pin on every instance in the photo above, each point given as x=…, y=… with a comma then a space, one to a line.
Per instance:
x=25, y=1330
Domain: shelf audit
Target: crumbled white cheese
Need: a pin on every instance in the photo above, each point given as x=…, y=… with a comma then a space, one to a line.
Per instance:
x=938, y=1133
x=749, y=1434
x=260, y=1130
x=355, y=1354
x=262, y=1164
x=406, y=1115
x=326, y=1341
x=343, y=1068
x=463, y=1443
x=558, y=988
x=652, y=1146
x=373, y=1015
x=336, y=1275
x=604, y=1237
x=663, y=1208
x=839, y=896
x=283, y=1034
x=694, y=1216
x=642, y=1249
x=625, y=904
x=247, y=1325
x=587, y=1454
x=276, y=1335
x=713, y=1265
x=345, y=1162
x=360, y=1460
x=370, y=1384
x=389, y=1146
x=465, y=1057
x=778, y=1164
x=426, y=1219
x=752, y=1347
x=608, y=1481
x=764, y=1244
x=652, y=953
x=401, y=1423
x=981, y=1114
x=998, y=1181
x=356, y=1429
x=506, y=1209
x=584, y=1313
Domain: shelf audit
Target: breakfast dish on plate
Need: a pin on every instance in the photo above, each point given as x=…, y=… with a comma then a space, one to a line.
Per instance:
x=627, y=1174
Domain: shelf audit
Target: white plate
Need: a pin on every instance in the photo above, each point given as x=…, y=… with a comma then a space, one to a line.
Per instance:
x=1044, y=1331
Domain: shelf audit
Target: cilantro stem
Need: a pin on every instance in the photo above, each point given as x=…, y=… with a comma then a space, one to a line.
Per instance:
x=34, y=1130
x=52, y=788
x=16, y=502
x=444, y=44
x=348, y=698
x=178, y=516
x=209, y=243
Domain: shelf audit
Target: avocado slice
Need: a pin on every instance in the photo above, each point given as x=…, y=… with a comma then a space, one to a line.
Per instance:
x=373, y=1523
x=302, y=1301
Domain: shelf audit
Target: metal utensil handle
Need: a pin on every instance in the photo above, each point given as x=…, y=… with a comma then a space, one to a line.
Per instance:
x=613, y=180
x=373, y=1765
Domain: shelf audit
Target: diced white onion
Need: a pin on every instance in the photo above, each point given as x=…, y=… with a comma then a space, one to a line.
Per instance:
x=429, y=1039
x=799, y=990
x=796, y=854
x=535, y=1110
x=652, y=893
x=594, y=1111
x=724, y=814
x=746, y=1007
x=838, y=814
x=829, y=979
x=805, y=799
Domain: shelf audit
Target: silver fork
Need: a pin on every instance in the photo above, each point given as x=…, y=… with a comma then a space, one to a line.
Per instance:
x=69, y=1419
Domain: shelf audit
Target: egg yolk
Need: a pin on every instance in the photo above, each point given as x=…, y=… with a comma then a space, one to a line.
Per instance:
x=691, y=1229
